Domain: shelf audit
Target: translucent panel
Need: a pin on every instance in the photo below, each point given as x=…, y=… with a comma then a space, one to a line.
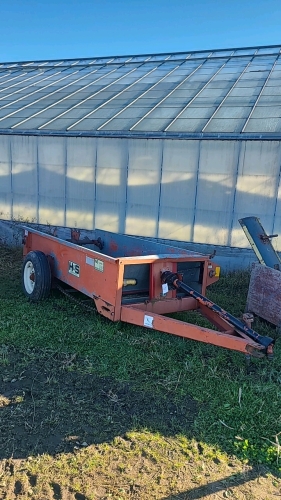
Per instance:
x=255, y=75
x=232, y=69
x=32, y=123
x=140, y=58
x=159, y=57
x=177, y=222
x=198, y=112
x=207, y=92
x=120, y=124
x=227, y=125
x=5, y=112
x=99, y=113
x=271, y=90
x=260, y=67
x=198, y=80
x=221, y=84
x=188, y=125
x=86, y=124
x=187, y=90
x=250, y=82
x=177, y=56
x=80, y=175
x=263, y=125
x=58, y=124
x=25, y=204
x=269, y=50
x=270, y=100
x=5, y=176
x=267, y=112
x=240, y=101
x=143, y=154
x=183, y=93
x=207, y=101
x=245, y=91
x=55, y=112
x=256, y=184
x=146, y=101
x=111, y=185
x=77, y=211
x=52, y=208
x=8, y=122
x=129, y=113
x=152, y=124
x=200, y=54
x=113, y=157
x=233, y=112
x=175, y=78
x=51, y=162
x=245, y=52
x=205, y=72
x=222, y=53
x=274, y=81
x=211, y=227
x=25, y=180
x=163, y=112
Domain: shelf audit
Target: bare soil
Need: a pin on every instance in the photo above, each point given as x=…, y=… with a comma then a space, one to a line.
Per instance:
x=45, y=402
x=54, y=419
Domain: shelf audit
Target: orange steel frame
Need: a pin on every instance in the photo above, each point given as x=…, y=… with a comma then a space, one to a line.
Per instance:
x=105, y=288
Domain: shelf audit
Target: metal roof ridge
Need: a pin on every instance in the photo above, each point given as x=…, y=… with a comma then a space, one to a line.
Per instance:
x=144, y=54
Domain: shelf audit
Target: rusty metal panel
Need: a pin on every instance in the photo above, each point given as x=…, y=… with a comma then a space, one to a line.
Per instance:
x=178, y=189
x=80, y=181
x=213, y=210
x=5, y=178
x=24, y=177
x=257, y=187
x=264, y=294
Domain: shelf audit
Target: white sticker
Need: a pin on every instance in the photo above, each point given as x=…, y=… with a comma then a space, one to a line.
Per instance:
x=90, y=261
x=96, y=263
x=148, y=321
x=99, y=265
x=165, y=288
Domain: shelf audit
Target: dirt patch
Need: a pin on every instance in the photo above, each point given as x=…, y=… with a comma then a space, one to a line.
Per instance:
x=48, y=406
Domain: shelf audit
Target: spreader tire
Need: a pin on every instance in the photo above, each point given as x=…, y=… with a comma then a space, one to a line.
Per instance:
x=36, y=276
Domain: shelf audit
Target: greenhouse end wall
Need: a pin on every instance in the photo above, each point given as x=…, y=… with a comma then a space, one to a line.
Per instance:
x=183, y=190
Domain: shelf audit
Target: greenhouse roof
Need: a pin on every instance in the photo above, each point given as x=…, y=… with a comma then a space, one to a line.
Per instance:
x=207, y=93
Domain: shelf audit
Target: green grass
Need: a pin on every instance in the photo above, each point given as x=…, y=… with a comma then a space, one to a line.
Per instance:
x=233, y=415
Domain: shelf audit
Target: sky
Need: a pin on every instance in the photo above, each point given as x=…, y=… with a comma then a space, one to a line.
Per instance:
x=56, y=29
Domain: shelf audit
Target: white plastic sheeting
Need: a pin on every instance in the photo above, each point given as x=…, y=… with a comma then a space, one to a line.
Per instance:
x=185, y=190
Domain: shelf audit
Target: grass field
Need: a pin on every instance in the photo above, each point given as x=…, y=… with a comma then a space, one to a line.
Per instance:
x=95, y=410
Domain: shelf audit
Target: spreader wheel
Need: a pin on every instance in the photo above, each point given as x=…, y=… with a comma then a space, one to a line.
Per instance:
x=36, y=276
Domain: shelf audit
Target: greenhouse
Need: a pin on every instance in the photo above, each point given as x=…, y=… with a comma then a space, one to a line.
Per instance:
x=176, y=146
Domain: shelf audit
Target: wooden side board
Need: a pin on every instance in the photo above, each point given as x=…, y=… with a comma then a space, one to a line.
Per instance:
x=264, y=294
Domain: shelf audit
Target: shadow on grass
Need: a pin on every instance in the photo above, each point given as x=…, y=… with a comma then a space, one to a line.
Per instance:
x=48, y=406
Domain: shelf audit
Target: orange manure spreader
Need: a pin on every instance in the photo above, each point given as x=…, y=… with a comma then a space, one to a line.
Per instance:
x=135, y=280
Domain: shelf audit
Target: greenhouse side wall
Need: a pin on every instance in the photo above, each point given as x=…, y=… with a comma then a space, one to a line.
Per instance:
x=182, y=190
